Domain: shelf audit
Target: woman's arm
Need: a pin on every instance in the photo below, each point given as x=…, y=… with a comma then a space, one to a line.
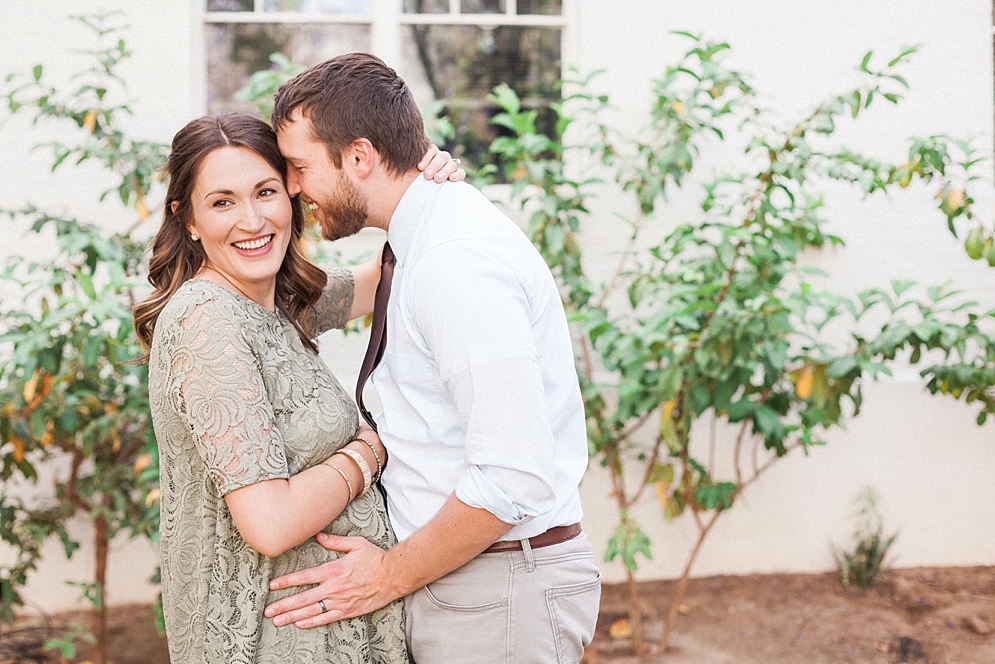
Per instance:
x=365, y=277
x=278, y=514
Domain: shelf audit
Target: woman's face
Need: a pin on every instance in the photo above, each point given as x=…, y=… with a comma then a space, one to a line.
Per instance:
x=243, y=215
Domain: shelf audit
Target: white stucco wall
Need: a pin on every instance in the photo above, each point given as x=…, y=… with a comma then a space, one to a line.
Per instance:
x=924, y=454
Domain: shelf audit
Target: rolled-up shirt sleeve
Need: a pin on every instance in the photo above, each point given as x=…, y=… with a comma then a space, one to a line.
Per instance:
x=473, y=313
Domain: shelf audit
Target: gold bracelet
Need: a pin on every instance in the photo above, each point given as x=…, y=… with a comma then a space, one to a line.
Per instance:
x=364, y=467
x=342, y=473
x=376, y=455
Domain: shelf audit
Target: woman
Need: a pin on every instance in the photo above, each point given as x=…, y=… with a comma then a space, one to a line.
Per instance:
x=259, y=449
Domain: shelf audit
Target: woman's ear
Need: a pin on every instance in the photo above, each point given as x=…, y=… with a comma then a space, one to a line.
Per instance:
x=191, y=228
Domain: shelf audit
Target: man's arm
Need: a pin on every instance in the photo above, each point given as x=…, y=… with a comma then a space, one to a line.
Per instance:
x=367, y=577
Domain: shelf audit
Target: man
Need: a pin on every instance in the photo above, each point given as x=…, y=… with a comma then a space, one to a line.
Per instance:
x=483, y=419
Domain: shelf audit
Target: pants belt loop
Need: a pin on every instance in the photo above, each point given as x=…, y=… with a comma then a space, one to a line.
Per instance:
x=530, y=561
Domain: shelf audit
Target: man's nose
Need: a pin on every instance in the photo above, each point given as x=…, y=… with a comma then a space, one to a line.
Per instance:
x=293, y=183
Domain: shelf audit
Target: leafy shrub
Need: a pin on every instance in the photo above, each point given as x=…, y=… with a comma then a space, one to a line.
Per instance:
x=714, y=321
x=74, y=402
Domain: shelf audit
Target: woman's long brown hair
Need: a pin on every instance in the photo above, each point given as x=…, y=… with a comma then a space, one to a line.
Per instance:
x=176, y=258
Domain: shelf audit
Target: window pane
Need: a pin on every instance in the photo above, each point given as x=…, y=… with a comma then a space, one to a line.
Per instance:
x=482, y=7
x=460, y=65
x=319, y=6
x=229, y=5
x=426, y=6
x=235, y=51
x=553, y=7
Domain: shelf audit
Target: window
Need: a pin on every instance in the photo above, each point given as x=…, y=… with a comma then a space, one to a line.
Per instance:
x=451, y=52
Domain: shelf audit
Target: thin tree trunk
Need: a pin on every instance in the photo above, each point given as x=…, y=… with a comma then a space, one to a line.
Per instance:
x=101, y=542
x=675, y=603
x=635, y=613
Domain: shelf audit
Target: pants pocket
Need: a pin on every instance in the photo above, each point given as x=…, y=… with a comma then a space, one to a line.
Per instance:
x=443, y=629
x=573, y=612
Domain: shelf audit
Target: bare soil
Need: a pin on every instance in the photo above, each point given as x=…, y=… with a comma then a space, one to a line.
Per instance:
x=935, y=615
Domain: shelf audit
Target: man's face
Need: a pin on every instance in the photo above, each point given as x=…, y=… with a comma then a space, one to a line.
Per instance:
x=337, y=203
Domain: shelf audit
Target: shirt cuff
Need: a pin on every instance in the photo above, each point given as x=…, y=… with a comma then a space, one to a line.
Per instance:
x=477, y=491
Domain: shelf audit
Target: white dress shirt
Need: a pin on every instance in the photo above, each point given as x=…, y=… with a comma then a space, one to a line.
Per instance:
x=478, y=385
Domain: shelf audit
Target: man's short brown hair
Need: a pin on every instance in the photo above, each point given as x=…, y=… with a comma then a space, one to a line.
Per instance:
x=356, y=96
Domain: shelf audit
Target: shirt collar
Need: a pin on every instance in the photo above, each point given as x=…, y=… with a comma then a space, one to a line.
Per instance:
x=408, y=214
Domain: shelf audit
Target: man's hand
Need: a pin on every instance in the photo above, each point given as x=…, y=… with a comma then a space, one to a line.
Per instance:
x=367, y=577
x=350, y=586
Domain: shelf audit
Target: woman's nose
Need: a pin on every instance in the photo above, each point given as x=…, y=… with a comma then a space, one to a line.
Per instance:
x=253, y=219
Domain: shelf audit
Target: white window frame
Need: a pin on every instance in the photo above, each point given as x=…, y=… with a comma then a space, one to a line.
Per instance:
x=386, y=20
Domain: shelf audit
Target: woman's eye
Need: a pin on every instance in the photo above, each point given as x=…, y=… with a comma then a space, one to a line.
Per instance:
x=224, y=202
x=267, y=192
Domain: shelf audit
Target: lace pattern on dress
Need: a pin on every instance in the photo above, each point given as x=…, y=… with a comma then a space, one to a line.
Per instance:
x=237, y=399
x=331, y=311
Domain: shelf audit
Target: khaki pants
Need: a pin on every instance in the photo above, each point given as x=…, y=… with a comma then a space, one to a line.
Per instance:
x=516, y=607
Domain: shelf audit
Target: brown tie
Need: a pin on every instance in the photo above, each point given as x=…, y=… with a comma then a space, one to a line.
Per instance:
x=378, y=331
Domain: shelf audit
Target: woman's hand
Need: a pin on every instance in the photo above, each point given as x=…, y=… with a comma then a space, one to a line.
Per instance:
x=439, y=165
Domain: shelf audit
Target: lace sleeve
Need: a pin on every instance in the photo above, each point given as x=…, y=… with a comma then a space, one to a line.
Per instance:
x=331, y=311
x=215, y=381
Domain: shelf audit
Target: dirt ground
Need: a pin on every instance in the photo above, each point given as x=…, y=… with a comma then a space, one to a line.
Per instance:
x=934, y=615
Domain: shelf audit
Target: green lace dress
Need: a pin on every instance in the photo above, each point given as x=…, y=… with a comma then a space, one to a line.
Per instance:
x=237, y=399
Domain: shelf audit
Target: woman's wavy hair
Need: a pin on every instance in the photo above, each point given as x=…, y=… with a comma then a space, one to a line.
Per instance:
x=176, y=258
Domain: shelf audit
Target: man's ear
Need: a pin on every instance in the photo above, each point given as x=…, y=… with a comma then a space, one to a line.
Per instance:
x=362, y=157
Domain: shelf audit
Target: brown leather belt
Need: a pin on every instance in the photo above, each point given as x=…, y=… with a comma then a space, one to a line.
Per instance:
x=548, y=538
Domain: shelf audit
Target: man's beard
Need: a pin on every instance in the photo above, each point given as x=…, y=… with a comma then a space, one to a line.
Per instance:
x=344, y=213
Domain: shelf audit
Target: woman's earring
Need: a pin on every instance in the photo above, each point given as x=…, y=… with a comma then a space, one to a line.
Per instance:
x=194, y=237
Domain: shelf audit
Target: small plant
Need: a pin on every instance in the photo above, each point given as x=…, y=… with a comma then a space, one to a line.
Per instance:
x=867, y=562
x=65, y=645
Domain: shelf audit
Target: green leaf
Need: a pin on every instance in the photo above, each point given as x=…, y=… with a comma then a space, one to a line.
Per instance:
x=91, y=350
x=716, y=496
x=86, y=283
x=36, y=72
x=506, y=98
x=975, y=242
x=766, y=419
x=741, y=410
x=700, y=399
x=841, y=367
x=671, y=380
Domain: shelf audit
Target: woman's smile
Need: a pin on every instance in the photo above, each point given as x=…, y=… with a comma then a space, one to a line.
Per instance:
x=255, y=246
